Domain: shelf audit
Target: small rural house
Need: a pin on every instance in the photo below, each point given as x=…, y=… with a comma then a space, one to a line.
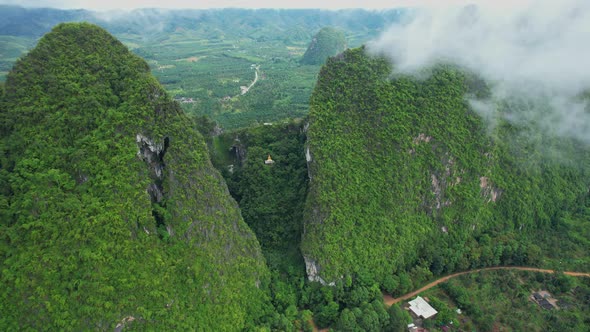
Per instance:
x=421, y=308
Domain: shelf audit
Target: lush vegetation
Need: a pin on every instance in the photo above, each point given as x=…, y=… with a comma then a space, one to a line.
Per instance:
x=501, y=300
x=326, y=43
x=271, y=198
x=406, y=182
x=110, y=208
x=565, y=245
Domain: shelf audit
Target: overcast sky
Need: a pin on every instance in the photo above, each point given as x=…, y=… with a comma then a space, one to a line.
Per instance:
x=128, y=4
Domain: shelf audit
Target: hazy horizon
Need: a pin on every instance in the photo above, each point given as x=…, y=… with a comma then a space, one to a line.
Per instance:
x=247, y=4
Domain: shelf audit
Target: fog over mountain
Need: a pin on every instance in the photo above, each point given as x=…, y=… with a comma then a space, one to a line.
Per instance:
x=534, y=50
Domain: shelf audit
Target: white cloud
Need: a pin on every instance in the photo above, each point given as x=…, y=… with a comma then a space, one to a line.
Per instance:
x=537, y=49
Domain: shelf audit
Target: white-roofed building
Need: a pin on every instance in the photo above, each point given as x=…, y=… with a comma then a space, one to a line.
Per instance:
x=421, y=308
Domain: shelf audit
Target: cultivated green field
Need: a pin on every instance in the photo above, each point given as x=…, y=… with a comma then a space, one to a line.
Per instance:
x=209, y=75
x=205, y=57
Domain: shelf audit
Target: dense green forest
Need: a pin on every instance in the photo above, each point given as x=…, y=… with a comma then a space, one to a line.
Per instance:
x=111, y=210
x=405, y=178
x=272, y=198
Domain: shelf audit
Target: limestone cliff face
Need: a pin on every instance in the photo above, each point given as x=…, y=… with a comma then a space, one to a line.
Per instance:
x=404, y=172
x=313, y=272
x=106, y=183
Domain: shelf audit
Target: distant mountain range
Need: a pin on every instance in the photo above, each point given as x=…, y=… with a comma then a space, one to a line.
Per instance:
x=34, y=22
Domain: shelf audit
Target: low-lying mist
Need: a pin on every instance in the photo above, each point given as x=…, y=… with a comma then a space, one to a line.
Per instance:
x=537, y=50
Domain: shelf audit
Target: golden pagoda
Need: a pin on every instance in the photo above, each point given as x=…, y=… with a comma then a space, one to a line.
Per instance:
x=269, y=161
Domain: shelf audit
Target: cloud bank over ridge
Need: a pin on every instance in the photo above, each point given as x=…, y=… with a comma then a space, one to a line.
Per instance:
x=532, y=49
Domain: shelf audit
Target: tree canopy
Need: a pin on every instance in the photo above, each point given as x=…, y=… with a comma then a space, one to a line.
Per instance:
x=111, y=210
x=406, y=177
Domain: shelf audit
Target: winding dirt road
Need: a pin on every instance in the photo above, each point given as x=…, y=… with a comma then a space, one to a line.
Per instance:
x=388, y=300
x=246, y=89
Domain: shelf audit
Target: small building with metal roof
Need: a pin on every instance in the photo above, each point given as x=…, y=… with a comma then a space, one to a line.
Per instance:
x=421, y=308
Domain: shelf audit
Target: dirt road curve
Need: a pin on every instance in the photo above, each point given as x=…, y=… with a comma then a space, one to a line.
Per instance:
x=390, y=300
x=246, y=89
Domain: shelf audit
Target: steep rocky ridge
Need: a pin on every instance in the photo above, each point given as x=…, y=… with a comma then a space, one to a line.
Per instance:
x=405, y=177
x=112, y=213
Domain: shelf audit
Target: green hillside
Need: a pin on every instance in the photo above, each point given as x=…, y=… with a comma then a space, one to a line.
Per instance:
x=407, y=181
x=111, y=212
x=326, y=43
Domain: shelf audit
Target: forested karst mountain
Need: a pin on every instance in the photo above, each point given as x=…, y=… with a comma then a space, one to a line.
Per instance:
x=326, y=43
x=111, y=211
x=406, y=179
